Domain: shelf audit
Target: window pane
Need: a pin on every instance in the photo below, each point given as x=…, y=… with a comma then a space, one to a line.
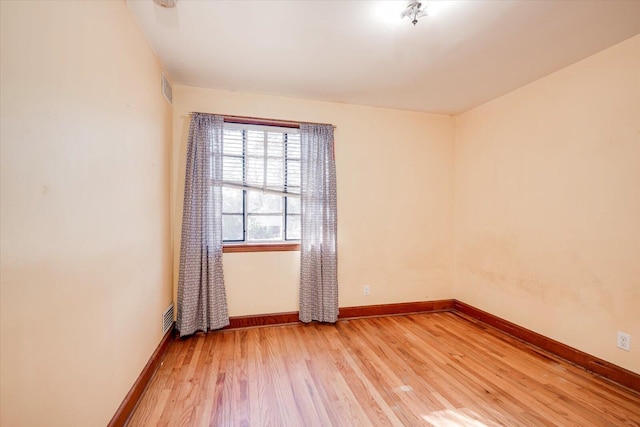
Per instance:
x=264, y=227
x=275, y=144
x=255, y=143
x=232, y=169
x=293, y=146
x=231, y=200
x=293, y=173
x=255, y=171
x=246, y=154
x=275, y=174
x=231, y=227
x=293, y=227
x=293, y=205
x=232, y=142
x=263, y=203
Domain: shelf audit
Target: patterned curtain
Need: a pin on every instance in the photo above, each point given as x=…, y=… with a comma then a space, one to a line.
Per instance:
x=319, y=245
x=202, y=300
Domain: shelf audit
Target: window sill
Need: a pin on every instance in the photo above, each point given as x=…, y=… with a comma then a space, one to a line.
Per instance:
x=260, y=247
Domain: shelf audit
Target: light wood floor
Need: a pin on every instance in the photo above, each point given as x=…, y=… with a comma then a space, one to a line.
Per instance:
x=437, y=369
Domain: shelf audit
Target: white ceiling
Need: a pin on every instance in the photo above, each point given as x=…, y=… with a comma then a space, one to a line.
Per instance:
x=360, y=52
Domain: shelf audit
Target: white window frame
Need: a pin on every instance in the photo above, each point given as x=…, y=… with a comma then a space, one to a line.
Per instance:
x=245, y=188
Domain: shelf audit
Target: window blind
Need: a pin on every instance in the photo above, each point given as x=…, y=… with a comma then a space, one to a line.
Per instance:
x=263, y=158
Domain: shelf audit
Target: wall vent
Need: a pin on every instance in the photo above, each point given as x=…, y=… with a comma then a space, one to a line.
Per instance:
x=167, y=90
x=167, y=319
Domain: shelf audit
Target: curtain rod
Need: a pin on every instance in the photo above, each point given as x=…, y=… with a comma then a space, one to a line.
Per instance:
x=262, y=121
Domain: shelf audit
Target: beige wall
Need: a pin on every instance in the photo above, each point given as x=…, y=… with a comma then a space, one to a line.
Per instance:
x=85, y=220
x=395, y=216
x=547, y=205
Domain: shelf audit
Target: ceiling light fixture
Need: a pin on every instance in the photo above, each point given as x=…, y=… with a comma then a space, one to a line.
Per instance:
x=166, y=3
x=413, y=10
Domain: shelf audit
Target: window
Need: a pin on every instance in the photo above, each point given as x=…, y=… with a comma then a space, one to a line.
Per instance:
x=261, y=184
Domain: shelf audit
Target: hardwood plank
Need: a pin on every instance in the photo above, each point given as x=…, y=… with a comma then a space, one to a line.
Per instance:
x=585, y=360
x=132, y=398
x=436, y=368
x=303, y=383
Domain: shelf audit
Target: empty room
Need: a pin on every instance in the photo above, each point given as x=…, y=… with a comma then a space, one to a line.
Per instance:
x=319, y=213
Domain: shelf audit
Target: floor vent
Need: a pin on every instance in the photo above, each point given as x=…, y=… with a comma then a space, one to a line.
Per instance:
x=167, y=90
x=167, y=319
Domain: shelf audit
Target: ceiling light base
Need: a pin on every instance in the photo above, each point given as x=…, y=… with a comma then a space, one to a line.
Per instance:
x=166, y=3
x=414, y=10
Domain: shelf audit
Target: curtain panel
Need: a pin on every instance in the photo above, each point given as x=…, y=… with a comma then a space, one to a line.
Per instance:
x=319, y=241
x=202, y=301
